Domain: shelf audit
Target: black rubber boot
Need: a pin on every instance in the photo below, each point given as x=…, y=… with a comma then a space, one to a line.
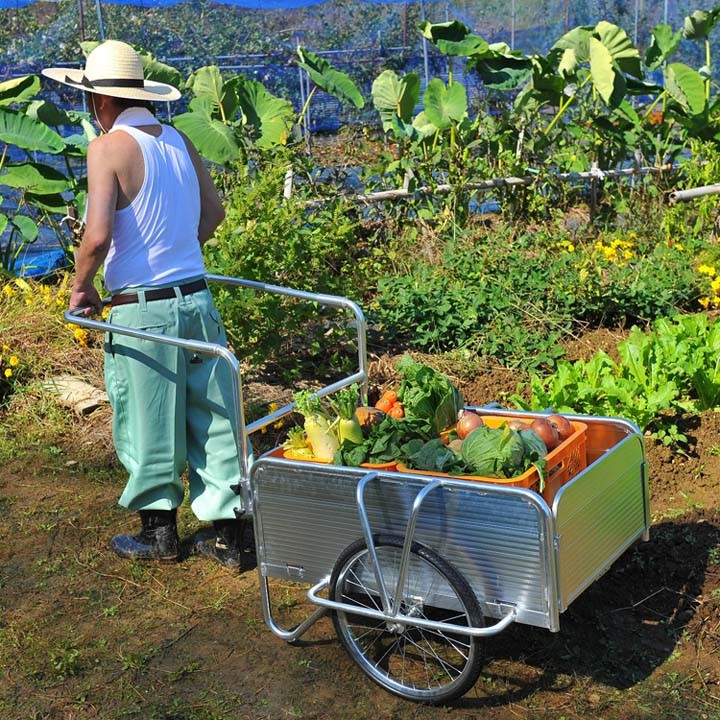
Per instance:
x=158, y=539
x=231, y=543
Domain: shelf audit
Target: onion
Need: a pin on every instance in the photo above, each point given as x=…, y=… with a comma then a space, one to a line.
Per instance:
x=467, y=422
x=562, y=425
x=547, y=432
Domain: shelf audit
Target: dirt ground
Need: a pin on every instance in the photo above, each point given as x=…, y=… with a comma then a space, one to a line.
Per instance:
x=86, y=635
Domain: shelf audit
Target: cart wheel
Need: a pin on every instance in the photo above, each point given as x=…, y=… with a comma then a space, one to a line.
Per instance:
x=415, y=663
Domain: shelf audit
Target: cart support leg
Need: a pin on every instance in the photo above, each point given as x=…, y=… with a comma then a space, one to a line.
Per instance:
x=294, y=633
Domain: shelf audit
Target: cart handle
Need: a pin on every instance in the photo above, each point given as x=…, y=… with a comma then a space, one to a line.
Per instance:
x=242, y=431
x=313, y=595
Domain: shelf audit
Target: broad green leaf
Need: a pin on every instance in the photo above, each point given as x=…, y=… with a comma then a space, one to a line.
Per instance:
x=577, y=41
x=27, y=227
x=453, y=38
x=28, y=134
x=50, y=114
x=569, y=63
x=628, y=112
x=271, y=116
x=402, y=129
x=444, y=105
x=35, y=177
x=503, y=72
x=51, y=203
x=395, y=96
x=697, y=26
x=640, y=87
x=207, y=84
x=622, y=51
x=202, y=104
x=213, y=139
x=607, y=80
x=423, y=125
x=327, y=78
x=3, y=223
x=662, y=45
x=160, y=72
x=686, y=86
x=18, y=89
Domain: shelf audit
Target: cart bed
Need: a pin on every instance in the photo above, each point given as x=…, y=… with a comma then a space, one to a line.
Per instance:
x=514, y=550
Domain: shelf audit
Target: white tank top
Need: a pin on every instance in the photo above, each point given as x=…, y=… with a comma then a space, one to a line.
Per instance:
x=155, y=238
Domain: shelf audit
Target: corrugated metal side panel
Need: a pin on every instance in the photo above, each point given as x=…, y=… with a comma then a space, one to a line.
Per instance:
x=499, y=542
x=599, y=515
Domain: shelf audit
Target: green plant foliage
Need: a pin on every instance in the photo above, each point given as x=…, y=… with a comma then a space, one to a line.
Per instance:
x=671, y=369
x=273, y=240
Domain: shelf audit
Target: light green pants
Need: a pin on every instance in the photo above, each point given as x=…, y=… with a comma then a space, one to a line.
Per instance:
x=172, y=408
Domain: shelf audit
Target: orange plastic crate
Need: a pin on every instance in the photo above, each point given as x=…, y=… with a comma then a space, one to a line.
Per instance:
x=563, y=463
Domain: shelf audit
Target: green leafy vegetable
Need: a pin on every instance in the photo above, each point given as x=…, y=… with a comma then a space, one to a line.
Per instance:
x=385, y=442
x=432, y=455
x=503, y=452
x=428, y=394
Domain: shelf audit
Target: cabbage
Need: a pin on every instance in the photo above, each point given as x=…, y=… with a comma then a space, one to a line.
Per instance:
x=502, y=452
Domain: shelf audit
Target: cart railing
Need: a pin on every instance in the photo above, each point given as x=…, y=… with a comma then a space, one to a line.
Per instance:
x=242, y=429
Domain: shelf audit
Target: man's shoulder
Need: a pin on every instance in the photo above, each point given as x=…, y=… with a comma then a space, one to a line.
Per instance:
x=112, y=143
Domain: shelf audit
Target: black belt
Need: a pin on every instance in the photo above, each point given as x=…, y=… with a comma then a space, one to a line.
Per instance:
x=159, y=294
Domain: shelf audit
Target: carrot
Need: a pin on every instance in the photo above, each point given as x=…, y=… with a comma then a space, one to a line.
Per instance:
x=397, y=411
x=384, y=404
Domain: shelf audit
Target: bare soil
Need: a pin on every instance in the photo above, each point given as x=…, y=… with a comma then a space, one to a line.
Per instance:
x=84, y=634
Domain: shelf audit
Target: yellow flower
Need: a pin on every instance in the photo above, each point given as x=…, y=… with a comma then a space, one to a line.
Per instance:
x=679, y=246
x=715, y=285
x=8, y=290
x=8, y=372
x=14, y=360
x=707, y=270
x=81, y=335
x=5, y=348
x=704, y=301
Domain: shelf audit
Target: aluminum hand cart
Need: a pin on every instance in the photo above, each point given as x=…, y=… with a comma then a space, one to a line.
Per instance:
x=415, y=570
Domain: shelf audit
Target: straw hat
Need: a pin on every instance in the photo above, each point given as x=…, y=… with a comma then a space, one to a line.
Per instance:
x=114, y=68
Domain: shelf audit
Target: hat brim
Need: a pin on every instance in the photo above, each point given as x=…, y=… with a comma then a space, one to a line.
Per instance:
x=153, y=91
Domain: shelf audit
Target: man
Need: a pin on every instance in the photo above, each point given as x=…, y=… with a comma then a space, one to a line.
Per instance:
x=151, y=206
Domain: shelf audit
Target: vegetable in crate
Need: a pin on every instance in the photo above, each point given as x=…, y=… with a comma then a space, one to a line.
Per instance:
x=344, y=403
x=503, y=452
x=428, y=394
x=468, y=420
x=317, y=424
x=296, y=447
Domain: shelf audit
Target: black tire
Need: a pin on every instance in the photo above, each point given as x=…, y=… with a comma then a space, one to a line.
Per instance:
x=417, y=664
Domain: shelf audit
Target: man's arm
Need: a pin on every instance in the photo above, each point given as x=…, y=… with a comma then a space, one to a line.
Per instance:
x=102, y=202
x=212, y=213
